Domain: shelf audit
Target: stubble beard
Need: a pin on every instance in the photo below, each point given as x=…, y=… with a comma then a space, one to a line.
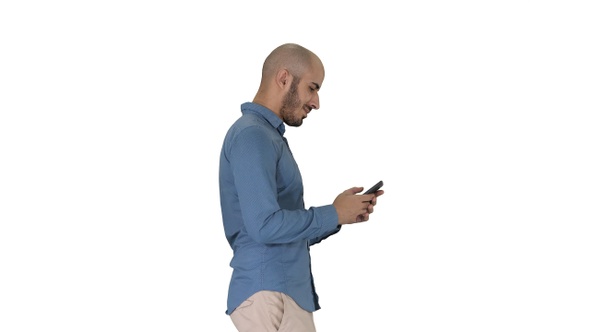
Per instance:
x=291, y=105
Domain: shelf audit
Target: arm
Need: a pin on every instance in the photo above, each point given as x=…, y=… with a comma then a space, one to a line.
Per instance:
x=324, y=236
x=254, y=157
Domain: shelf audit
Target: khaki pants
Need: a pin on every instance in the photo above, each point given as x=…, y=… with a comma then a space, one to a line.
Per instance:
x=268, y=311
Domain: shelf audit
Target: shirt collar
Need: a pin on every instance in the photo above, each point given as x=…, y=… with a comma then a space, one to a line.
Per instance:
x=267, y=114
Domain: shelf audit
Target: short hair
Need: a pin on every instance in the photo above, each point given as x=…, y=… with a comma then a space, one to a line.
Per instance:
x=293, y=57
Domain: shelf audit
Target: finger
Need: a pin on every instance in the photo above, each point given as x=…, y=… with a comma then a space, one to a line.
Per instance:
x=368, y=198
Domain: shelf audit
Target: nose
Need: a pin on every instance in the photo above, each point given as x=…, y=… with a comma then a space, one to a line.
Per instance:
x=315, y=102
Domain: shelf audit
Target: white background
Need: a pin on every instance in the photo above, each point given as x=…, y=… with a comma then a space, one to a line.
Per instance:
x=473, y=113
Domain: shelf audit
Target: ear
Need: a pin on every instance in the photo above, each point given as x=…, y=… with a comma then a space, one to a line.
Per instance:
x=283, y=79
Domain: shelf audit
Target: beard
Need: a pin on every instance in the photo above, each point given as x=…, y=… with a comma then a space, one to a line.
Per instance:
x=291, y=105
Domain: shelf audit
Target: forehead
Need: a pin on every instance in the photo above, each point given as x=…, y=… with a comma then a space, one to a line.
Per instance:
x=314, y=73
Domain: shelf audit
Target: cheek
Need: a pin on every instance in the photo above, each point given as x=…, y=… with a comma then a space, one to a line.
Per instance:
x=305, y=97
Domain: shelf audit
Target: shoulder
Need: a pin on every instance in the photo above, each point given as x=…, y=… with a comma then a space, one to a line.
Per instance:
x=249, y=125
x=251, y=132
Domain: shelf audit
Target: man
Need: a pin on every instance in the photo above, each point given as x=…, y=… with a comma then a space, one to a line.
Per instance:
x=261, y=192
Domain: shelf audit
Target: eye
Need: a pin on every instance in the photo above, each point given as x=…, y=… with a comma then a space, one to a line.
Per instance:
x=312, y=89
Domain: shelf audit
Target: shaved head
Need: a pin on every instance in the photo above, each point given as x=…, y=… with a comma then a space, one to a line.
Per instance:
x=295, y=58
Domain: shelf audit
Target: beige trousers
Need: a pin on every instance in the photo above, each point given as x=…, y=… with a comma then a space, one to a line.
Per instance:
x=268, y=311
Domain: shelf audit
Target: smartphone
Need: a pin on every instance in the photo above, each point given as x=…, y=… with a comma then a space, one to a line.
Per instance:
x=374, y=188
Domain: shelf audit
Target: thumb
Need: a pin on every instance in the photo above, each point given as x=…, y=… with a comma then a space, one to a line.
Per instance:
x=353, y=190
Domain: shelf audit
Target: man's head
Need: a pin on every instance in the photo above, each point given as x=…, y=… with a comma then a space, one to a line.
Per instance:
x=291, y=78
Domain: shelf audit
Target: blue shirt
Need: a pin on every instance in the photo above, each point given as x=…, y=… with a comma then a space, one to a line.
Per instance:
x=264, y=216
